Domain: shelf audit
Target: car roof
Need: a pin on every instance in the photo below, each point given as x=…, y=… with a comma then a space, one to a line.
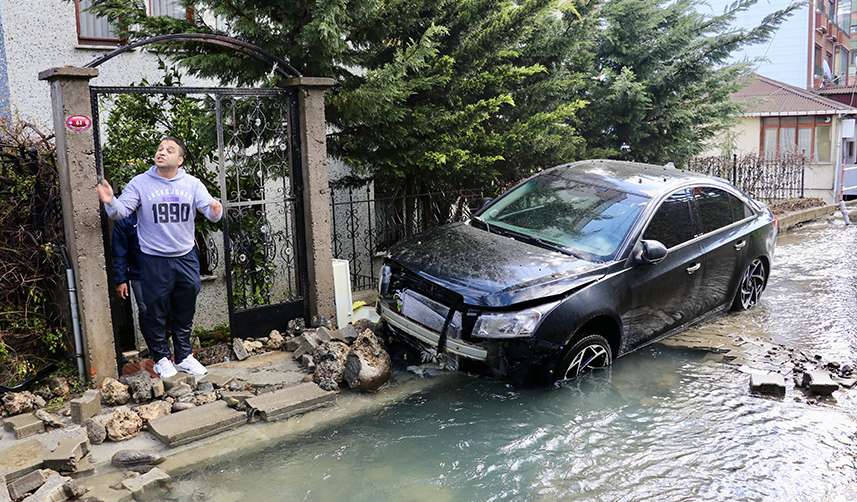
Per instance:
x=633, y=177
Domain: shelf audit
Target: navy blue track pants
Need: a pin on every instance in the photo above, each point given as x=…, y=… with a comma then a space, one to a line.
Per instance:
x=170, y=287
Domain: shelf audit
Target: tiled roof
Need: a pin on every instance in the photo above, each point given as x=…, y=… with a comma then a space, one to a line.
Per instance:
x=768, y=98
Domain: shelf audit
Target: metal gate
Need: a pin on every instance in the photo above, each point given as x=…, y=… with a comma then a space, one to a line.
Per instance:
x=257, y=164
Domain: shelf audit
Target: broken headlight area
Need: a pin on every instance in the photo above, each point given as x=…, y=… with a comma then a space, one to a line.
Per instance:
x=517, y=324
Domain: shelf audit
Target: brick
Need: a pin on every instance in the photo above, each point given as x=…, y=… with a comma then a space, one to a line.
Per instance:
x=290, y=401
x=196, y=423
x=21, y=459
x=86, y=406
x=772, y=384
x=24, y=425
x=28, y=483
x=819, y=382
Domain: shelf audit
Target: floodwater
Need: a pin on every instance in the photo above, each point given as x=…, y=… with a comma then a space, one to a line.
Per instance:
x=664, y=424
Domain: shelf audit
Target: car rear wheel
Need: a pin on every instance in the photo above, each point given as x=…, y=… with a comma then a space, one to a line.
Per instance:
x=589, y=353
x=752, y=284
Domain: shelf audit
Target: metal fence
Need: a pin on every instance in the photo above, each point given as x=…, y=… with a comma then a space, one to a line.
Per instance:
x=366, y=220
x=765, y=178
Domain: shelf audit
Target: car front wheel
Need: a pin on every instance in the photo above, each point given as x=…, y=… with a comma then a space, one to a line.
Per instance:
x=589, y=353
x=751, y=287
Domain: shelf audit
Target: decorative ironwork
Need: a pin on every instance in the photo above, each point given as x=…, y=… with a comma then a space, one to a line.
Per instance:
x=367, y=220
x=764, y=178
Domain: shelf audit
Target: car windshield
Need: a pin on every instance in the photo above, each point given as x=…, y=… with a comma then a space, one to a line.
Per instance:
x=583, y=219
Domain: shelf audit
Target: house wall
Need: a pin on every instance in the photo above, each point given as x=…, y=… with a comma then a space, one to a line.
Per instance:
x=787, y=53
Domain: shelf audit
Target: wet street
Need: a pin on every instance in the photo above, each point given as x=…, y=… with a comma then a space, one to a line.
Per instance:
x=671, y=422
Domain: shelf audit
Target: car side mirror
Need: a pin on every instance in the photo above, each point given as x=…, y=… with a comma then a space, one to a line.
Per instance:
x=649, y=252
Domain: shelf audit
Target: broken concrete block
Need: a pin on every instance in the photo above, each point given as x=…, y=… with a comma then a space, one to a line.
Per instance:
x=772, y=384
x=67, y=454
x=324, y=334
x=177, y=379
x=24, y=425
x=220, y=381
x=291, y=344
x=846, y=383
x=28, y=483
x=55, y=489
x=238, y=347
x=4, y=491
x=85, y=406
x=196, y=423
x=286, y=402
x=148, y=485
x=819, y=382
x=21, y=459
x=158, y=389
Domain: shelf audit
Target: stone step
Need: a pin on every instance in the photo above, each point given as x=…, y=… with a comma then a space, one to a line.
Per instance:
x=196, y=423
x=292, y=400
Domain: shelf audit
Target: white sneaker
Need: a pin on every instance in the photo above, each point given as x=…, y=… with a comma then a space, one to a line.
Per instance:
x=192, y=366
x=165, y=368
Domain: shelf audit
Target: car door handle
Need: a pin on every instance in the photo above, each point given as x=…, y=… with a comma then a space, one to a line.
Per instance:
x=693, y=268
x=739, y=245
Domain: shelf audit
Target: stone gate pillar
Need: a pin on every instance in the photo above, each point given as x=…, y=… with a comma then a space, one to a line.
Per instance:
x=82, y=214
x=316, y=195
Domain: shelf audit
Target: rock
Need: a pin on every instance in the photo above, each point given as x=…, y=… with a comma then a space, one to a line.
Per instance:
x=139, y=385
x=114, y=393
x=361, y=325
x=205, y=387
x=205, y=398
x=239, y=349
x=136, y=458
x=319, y=320
x=275, y=341
x=330, y=358
x=39, y=401
x=296, y=326
x=182, y=405
x=158, y=389
x=59, y=386
x=292, y=344
x=215, y=354
x=151, y=411
x=180, y=390
x=368, y=365
x=308, y=378
x=123, y=424
x=252, y=346
x=48, y=419
x=16, y=403
x=95, y=430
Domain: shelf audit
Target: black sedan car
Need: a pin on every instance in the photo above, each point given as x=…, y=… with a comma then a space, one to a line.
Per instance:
x=576, y=266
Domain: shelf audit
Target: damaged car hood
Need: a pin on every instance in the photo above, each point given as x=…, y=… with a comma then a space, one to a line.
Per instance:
x=489, y=269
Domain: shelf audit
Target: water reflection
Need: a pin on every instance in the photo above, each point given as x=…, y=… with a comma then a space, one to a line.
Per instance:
x=663, y=424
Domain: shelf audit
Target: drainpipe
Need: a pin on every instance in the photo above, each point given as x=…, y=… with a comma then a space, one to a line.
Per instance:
x=75, y=318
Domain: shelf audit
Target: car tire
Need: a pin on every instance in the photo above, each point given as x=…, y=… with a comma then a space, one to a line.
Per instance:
x=590, y=352
x=753, y=282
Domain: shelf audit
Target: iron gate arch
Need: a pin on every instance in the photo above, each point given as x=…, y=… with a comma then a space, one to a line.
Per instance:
x=259, y=175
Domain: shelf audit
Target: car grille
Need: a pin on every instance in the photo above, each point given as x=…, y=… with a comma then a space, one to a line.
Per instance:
x=429, y=313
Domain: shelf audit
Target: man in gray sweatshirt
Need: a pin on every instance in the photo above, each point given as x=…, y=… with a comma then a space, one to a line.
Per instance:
x=166, y=199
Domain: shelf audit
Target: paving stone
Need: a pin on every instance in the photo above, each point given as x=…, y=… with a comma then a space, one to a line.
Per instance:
x=219, y=380
x=819, y=382
x=289, y=401
x=86, y=406
x=23, y=425
x=238, y=348
x=67, y=455
x=772, y=384
x=28, y=483
x=845, y=382
x=21, y=459
x=148, y=485
x=4, y=491
x=196, y=423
